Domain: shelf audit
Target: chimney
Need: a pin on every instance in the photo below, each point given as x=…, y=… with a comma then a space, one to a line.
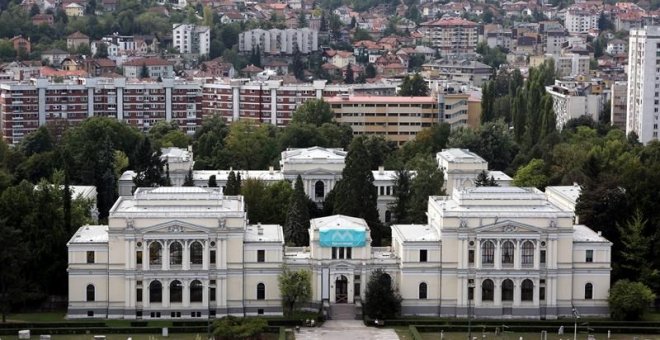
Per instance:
x=600, y=233
x=381, y=170
x=271, y=169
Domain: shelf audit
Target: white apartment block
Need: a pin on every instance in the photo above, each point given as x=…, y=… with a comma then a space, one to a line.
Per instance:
x=644, y=83
x=190, y=253
x=191, y=39
x=279, y=41
x=571, y=64
x=573, y=100
x=579, y=20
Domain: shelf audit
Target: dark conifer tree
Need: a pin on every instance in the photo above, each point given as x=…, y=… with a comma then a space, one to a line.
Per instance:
x=297, y=217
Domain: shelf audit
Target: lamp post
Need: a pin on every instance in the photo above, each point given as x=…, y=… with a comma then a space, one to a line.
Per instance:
x=469, y=311
x=576, y=316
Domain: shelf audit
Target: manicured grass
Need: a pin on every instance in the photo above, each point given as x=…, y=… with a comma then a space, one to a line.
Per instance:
x=37, y=317
x=568, y=335
x=267, y=336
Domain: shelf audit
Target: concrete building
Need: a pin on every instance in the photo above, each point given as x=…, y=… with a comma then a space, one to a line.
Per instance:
x=643, y=85
x=464, y=71
x=581, y=20
x=191, y=39
x=74, y=10
x=572, y=100
x=278, y=41
x=76, y=39
x=190, y=253
x=451, y=36
x=619, y=94
x=156, y=68
x=396, y=118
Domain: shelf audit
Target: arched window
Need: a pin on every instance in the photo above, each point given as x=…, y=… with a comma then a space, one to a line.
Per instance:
x=588, y=291
x=196, y=251
x=91, y=293
x=155, y=253
x=261, y=291
x=319, y=189
x=155, y=292
x=176, y=254
x=196, y=291
x=388, y=216
x=507, y=252
x=176, y=291
x=527, y=290
x=507, y=290
x=422, y=290
x=527, y=253
x=487, y=252
x=487, y=290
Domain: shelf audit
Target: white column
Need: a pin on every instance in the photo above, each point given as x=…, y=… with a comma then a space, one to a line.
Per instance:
x=168, y=103
x=205, y=256
x=223, y=253
x=120, y=103
x=205, y=295
x=536, y=292
x=516, y=292
x=166, y=254
x=477, y=254
x=128, y=250
x=235, y=103
x=477, y=292
x=497, y=296
x=498, y=254
x=166, y=293
x=516, y=255
x=145, y=294
x=186, y=293
x=145, y=255
x=42, y=104
x=90, y=102
x=537, y=254
x=186, y=255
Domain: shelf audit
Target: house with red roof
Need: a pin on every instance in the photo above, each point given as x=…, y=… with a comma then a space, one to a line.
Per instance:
x=155, y=67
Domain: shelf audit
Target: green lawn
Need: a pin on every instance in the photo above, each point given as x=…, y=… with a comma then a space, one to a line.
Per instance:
x=37, y=317
x=405, y=335
x=134, y=337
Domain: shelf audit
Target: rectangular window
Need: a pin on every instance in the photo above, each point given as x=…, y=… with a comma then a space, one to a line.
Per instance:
x=470, y=293
x=261, y=255
x=334, y=253
x=542, y=293
x=542, y=259
x=138, y=257
x=212, y=256
x=138, y=295
x=90, y=257
x=589, y=256
x=212, y=294
x=423, y=255
x=341, y=252
x=349, y=252
x=471, y=256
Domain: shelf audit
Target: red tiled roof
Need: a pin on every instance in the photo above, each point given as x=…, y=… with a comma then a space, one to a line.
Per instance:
x=450, y=22
x=251, y=69
x=77, y=35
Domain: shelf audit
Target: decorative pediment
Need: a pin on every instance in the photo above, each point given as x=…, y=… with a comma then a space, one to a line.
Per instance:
x=508, y=226
x=176, y=227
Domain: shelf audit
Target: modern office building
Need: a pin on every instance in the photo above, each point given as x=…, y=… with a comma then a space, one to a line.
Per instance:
x=643, y=83
x=189, y=253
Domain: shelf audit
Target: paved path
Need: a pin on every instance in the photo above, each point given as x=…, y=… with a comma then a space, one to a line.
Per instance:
x=346, y=330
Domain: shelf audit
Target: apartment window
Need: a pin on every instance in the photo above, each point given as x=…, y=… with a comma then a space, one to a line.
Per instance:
x=589, y=256
x=423, y=255
x=90, y=257
x=261, y=255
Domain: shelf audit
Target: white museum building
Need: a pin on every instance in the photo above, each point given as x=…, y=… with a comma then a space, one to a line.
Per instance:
x=189, y=252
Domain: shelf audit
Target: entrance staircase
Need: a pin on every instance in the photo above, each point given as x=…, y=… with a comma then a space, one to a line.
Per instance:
x=342, y=311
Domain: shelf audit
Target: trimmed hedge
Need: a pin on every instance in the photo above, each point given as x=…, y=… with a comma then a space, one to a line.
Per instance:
x=536, y=329
x=510, y=323
x=31, y=325
x=104, y=330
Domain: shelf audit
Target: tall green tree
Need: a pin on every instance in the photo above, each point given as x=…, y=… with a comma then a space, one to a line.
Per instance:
x=357, y=191
x=296, y=227
x=315, y=111
x=232, y=187
x=348, y=76
x=636, y=251
x=381, y=300
x=428, y=181
x=212, y=182
x=483, y=180
x=414, y=86
x=149, y=169
x=189, y=181
x=295, y=288
x=402, y=191
x=531, y=175
x=13, y=254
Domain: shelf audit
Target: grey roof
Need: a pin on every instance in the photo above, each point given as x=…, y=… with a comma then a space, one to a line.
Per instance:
x=90, y=234
x=582, y=233
x=415, y=232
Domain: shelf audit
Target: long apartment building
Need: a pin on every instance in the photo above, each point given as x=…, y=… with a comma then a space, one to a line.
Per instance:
x=279, y=41
x=26, y=105
x=643, y=83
